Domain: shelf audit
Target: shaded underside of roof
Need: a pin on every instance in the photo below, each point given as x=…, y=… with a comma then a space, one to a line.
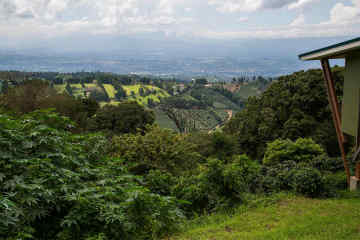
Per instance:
x=339, y=50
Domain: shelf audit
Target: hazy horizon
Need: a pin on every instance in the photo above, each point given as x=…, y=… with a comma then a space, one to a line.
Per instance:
x=240, y=31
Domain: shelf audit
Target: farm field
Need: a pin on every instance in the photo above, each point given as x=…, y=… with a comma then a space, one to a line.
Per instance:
x=247, y=91
x=110, y=90
x=133, y=93
x=163, y=120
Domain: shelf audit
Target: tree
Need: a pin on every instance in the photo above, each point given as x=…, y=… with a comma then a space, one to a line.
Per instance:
x=201, y=81
x=37, y=94
x=68, y=88
x=127, y=117
x=99, y=95
x=141, y=92
x=160, y=149
x=296, y=106
x=120, y=93
x=26, y=97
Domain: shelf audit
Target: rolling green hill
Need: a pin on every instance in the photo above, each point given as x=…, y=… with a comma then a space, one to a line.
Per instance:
x=204, y=107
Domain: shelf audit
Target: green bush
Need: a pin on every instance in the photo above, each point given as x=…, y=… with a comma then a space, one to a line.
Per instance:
x=325, y=163
x=218, y=185
x=196, y=192
x=302, y=150
x=160, y=182
x=242, y=174
x=307, y=181
x=58, y=185
x=217, y=145
x=277, y=177
x=158, y=148
x=335, y=182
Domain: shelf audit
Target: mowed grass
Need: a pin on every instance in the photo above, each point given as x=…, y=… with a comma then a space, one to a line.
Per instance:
x=291, y=218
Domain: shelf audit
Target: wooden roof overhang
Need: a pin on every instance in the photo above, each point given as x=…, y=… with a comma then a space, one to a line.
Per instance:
x=350, y=50
x=340, y=50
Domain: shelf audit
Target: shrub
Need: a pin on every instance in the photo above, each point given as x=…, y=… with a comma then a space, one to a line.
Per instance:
x=218, y=185
x=158, y=148
x=160, y=182
x=196, y=192
x=57, y=185
x=307, y=181
x=217, y=145
x=325, y=163
x=242, y=174
x=277, y=177
x=335, y=182
x=302, y=150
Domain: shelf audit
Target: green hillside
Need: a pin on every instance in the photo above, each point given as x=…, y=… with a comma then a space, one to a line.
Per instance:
x=133, y=93
x=204, y=107
x=248, y=90
x=110, y=90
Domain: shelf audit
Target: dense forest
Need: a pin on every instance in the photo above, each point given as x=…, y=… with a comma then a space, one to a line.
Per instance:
x=71, y=168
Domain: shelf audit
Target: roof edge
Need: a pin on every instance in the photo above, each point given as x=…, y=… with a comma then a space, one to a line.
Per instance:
x=307, y=56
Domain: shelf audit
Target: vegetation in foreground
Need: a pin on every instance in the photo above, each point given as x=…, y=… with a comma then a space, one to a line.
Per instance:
x=78, y=171
x=289, y=217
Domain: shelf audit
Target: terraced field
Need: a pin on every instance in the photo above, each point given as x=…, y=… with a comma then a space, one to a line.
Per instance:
x=133, y=93
x=110, y=90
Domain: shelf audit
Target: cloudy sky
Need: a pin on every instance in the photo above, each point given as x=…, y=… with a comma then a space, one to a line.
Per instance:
x=36, y=20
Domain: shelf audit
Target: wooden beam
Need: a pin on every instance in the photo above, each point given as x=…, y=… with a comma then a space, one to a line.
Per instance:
x=334, y=104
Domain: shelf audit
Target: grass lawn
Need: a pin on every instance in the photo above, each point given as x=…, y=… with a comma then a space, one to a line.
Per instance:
x=290, y=218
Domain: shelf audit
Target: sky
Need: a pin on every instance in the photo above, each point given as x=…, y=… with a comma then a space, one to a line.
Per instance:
x=27, y=22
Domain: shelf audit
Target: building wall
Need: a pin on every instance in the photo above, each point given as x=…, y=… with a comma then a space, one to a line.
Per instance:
x=351, y=98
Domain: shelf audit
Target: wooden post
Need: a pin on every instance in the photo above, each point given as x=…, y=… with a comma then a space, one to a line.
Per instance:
x=334, y=104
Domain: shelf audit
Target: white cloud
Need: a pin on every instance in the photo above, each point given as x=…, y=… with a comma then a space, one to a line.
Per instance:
x=301, y=3
x=25, y=19
x=341, y=14
x=300, y=20
x=231, y=6
x=243, y=19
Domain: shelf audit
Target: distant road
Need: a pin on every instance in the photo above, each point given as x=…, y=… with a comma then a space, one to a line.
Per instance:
x=230, y=115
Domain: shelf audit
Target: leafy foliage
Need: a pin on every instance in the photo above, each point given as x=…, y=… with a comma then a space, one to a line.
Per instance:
x=57, y=185
x=127, y=117
x=34, y=95
x=294, y=106
x=303, y=150
x=158, y=148
x=307, y=181
x=218, y=185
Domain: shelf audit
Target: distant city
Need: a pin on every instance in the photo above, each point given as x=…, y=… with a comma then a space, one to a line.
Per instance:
x=154, y=64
